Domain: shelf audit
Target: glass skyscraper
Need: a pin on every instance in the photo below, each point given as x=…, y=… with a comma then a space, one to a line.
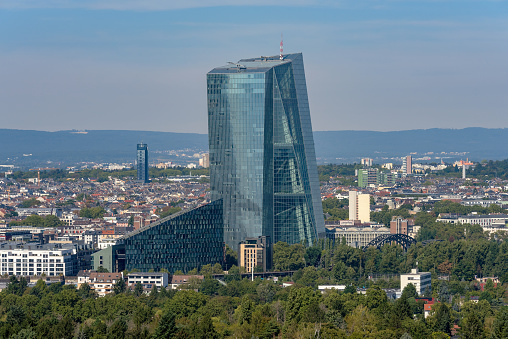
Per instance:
x=142, y=162
x=262, y=157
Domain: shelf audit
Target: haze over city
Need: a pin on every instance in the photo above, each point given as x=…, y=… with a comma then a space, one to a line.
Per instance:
x=141, y=65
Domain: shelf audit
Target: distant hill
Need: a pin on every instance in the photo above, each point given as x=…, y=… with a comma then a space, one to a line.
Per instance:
x=69, y=147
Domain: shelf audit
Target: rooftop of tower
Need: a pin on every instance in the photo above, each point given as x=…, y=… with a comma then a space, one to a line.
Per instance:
x=259, y=64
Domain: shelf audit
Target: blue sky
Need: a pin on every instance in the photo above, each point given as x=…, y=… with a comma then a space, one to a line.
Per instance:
x=141, y=65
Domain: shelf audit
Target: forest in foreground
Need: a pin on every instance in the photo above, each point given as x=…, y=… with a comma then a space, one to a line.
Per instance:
x=242, y=309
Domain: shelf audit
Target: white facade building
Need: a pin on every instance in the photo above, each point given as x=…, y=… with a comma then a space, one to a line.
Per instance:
x=484, y=220
x=68, y=218
x=101, y=283
x=491, y=223
x=106, y=242
x=148, y=279
x=421, y=280
x=33, y=259
x=91, y=236
x=25, y=212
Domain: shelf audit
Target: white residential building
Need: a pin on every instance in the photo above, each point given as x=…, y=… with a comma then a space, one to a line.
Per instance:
x=101, y=283
x=91, y=236
x=148, y=279
x=106, y=242
x=421, y=280
x=68, y=218
x=178, y=280
x=29, y=259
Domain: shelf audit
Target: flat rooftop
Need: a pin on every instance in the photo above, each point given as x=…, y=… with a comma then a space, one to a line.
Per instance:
x=254, y=65
x=14, y=245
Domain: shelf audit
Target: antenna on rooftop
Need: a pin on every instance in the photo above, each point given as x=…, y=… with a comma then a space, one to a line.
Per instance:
x=281, y=45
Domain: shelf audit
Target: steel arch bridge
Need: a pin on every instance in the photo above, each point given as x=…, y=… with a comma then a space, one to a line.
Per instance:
x=404, y=240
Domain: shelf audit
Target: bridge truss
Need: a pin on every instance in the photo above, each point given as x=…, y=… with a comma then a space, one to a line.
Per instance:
x=404, y=240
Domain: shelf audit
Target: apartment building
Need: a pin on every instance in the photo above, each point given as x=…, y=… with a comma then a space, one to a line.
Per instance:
x=33, y=259
x=359, y=206
x=420, y=280
x=148, y=279
x=255, y=252
x=101, y=283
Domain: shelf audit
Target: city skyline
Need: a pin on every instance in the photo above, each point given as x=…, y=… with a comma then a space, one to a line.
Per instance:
x=379, y=65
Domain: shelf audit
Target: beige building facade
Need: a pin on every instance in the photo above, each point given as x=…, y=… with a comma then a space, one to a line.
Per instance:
x=255, y=252
x=359, y=206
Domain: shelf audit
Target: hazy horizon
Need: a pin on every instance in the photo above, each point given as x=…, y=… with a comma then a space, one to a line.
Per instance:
x=190, y=132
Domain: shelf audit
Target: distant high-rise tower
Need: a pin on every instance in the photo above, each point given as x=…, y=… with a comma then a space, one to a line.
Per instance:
x=366, y=162
x=262, y=157
x=359, y=206
x=205, y=161
x=142, y=162
x=407, y=165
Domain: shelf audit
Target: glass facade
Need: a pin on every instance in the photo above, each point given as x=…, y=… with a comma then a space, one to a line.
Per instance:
x=142, y=162
x=182, y=241
x=262, y=157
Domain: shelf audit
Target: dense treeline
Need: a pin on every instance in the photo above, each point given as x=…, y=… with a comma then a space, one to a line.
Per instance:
x=36, y=220
x=241, y=309
x=490, y=169
x=469, y=254
x=92, y=212
x=263, y=309
x=385, y=215
x=326, y=172
x=447, y=206
x=466, y=249
x=338, y=209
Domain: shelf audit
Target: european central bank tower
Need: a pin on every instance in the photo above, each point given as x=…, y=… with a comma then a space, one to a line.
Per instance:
x=262, y=157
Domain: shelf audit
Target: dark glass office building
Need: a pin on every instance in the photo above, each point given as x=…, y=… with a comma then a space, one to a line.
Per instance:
x=182, y=241
x=262, y=157
x=142, y=162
